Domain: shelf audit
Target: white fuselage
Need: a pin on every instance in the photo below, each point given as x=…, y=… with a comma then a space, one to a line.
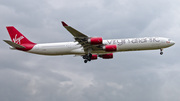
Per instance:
x=132, y=44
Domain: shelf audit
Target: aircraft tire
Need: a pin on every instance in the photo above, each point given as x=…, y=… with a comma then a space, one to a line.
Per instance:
x=85, y=61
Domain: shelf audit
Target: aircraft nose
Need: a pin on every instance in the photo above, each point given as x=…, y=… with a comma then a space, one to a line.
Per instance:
x=172, y=42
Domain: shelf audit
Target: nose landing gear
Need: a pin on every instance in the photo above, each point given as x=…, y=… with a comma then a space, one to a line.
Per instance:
x=161, y=51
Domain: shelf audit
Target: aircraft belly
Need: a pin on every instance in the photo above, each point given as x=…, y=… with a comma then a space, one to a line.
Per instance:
x=77, y=51
x=51, y=50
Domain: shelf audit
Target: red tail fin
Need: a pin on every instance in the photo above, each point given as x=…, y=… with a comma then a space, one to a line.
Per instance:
x=17, y=37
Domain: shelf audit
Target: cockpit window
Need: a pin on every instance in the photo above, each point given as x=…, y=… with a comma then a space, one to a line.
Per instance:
x=169, y=39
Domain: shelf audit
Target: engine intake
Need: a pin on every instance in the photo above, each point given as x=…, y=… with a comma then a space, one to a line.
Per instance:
x=95, y=40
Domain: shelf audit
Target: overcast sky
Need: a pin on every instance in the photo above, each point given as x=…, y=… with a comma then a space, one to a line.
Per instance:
x=129, y=76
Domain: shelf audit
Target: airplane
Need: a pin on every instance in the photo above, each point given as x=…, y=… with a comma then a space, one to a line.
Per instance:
x=89, y=48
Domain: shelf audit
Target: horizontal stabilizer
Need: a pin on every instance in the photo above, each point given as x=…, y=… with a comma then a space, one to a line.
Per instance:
x=15, y=45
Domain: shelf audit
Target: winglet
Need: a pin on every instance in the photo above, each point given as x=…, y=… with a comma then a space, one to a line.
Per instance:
x=64, y=24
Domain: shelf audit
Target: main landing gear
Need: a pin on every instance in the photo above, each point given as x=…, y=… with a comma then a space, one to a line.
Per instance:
x=87, y=57
x=161, y=53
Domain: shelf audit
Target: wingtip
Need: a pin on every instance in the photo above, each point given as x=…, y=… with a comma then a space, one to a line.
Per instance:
x=64, y=24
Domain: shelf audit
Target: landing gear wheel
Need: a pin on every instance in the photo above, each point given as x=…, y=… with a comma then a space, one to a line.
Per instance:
x=85, y=57
x=161, y=51
x=85, y=61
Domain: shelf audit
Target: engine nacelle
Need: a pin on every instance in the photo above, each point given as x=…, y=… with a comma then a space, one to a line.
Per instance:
x=95, y=40
x=110, y=48
x=107, y=56
x=94, y=57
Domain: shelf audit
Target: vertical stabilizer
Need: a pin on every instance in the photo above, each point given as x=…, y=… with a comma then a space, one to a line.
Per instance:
x=19, y=41
x=17, y=37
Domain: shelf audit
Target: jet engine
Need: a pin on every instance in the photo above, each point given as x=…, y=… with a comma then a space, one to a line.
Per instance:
x=110, y=48
x=94, y=57
x=107, y=56
x=95, y=40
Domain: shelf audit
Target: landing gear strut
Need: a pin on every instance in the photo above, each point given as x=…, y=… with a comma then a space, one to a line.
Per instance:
x=87, y=57
x=161, y=53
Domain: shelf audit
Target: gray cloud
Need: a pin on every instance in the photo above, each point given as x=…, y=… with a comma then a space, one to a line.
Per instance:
x=143, y=75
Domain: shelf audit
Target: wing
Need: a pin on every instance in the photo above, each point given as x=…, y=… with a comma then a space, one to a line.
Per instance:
x=81, y=38
x=74, y=32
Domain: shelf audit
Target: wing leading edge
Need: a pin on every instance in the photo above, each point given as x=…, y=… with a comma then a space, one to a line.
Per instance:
x=74, y=32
